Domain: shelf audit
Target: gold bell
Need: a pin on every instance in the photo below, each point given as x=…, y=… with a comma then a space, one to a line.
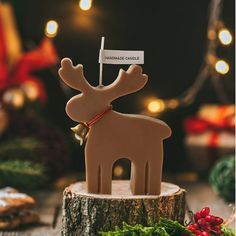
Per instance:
x=81, y=132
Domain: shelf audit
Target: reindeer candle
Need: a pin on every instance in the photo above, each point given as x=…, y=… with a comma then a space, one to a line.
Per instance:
x=112, y=135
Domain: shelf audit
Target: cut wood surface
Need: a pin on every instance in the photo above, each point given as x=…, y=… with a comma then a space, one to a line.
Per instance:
x=87, y=214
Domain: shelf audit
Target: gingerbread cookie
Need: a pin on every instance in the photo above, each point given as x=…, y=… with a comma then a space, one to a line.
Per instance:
x=15, y=220
x=15, y=209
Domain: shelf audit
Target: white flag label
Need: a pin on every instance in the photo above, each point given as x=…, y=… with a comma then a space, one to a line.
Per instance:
x=121, y=57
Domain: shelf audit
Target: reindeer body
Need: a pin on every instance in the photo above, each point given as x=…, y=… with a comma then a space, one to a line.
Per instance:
x=135, y=137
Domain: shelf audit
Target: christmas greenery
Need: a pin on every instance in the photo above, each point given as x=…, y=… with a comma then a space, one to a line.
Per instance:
x=32, y=159
x=20, y=148
x=222, y=178
x=52, y=149
x=20, y=163
x=164, y=227
x=23, y=174
x=226, y=231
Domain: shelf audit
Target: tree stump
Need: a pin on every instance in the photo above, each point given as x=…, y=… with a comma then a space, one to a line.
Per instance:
x=86, y=214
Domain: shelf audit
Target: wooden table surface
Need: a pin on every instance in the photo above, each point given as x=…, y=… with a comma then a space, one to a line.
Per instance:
x=199, y=195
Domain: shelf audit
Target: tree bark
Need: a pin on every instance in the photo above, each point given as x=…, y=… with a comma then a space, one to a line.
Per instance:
x=86, y=214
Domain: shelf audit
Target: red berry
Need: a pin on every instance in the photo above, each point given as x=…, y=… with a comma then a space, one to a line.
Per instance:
x=207, y=227
x=192, y=228
x=219, y=220
x=216, y=228
x=195, y=225
x=218, y=232
x=201, y=221
x=205, y=211
x=197, y=216
x=210, y=218
x=204, y=233
x=198, y=233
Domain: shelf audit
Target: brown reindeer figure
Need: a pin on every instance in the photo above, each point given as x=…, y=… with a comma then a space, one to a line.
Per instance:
x=115, y=135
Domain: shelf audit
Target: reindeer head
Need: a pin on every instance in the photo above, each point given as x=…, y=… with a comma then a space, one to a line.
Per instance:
x=93, y=100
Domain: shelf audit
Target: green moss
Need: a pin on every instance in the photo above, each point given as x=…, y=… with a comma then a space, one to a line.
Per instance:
x=165, y=227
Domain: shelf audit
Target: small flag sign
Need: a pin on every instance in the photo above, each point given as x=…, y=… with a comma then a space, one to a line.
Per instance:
x=117, y=57
x=121, y=57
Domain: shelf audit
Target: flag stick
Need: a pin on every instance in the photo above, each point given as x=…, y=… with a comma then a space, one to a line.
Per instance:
x=101, y=64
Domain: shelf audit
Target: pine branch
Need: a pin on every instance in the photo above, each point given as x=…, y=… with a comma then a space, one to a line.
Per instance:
x=22, y=174
x=27, y=148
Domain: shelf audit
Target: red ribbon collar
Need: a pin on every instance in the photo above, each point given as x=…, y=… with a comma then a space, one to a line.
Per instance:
x=98, y=117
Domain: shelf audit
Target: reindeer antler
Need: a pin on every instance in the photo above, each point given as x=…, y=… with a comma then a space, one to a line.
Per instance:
x=127, y=82
x=73, y=76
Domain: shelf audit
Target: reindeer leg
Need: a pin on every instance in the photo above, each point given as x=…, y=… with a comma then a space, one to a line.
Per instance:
x=138, y=179
x=106, y=178
x=132, y=177
x=92, y=177
x=154, y=175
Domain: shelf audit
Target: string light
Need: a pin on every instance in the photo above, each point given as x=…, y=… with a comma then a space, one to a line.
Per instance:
x=225, y=36
x=31, y=90
x=156, y=105
x=14, y=97
x=211, y=34
x=85, y=5
x=51, y=29
x=215, y=32
x=222, y=67
x=172, y=103
x=118, y=171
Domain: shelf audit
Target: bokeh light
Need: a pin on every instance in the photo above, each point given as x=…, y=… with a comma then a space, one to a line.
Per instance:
x=85, y=5
x=211, y=34
x=222, y=67
x=172, y=103
x=14, y=98
x=225, y=36
x=31, y=90
x=51, y=29
x=118, y=171
x=156, y=106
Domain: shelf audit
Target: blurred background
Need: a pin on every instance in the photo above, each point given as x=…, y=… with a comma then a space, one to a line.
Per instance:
x=189, y=57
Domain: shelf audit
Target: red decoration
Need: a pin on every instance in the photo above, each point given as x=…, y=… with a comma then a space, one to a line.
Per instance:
x=204, y=224
x=210, y=135
x=198, y=125
x=195, y=125
x=43, y=56
x=3, y=69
